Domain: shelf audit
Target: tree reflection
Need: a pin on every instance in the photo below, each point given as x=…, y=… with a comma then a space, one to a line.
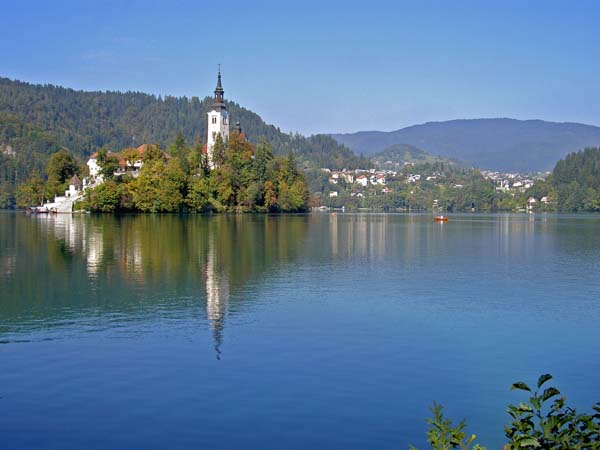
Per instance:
x=138, y=264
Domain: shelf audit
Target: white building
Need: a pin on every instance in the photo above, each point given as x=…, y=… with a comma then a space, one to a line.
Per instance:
x=75, y=186
x=362, y=180
x=93, y=165
x=218, y=121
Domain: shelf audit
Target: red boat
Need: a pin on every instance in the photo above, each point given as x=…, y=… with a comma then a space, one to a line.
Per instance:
x=440, y=219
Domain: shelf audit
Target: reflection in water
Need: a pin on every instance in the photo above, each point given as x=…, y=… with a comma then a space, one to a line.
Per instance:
x=54, y=266
x=217, y=296
x=346, y=324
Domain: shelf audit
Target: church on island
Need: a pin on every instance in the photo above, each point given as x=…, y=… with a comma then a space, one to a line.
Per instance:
x=218, y=125
x=218, y=121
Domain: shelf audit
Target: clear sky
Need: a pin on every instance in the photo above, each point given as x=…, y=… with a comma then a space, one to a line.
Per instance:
x=322, y=66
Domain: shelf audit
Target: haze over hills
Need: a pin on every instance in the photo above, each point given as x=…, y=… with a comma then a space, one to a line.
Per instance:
x=498, y=144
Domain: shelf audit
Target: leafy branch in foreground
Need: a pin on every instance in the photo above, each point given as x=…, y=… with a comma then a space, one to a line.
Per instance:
x=443, y=436
x=537, y=425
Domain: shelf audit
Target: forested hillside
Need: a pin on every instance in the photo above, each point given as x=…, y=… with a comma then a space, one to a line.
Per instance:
x=496, y=144
x=36, y=120
x=576, y=180
x=397, y=155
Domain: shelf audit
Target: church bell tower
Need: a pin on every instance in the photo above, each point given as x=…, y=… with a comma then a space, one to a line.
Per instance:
x=218, y=121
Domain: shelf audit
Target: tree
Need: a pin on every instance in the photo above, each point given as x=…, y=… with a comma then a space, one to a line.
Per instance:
x=218, y=151
x=105, y=198
x=30, y=193
x=159, y=187
x=199, y=194
x=108, y=163
x=179, y=149
x=130, y=156
x=153, y=153
x=262, y=161
x=61, y=168
x=6, y=199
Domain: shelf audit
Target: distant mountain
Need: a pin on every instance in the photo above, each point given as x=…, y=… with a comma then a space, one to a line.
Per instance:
x=399, y=154
x=500, y=144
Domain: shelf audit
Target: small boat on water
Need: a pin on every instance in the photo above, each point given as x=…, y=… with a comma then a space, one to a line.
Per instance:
x=440, y=219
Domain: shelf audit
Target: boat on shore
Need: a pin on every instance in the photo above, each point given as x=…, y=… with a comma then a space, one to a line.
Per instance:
x=38, y=210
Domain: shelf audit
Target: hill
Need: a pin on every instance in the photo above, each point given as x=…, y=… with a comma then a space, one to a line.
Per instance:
x=36, y=120
x=499, y=144
x=399, y=154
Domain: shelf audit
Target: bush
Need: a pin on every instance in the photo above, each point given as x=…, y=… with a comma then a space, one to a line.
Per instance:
x=535, y=424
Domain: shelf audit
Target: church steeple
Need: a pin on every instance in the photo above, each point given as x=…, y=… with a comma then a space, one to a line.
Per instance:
x=219, y=101
x=218, y=121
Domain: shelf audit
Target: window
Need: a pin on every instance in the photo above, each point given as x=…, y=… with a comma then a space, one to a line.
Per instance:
x=224, y=121
x=214, y=120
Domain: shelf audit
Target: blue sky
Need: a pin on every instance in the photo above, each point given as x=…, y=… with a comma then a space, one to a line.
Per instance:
x=322, y=66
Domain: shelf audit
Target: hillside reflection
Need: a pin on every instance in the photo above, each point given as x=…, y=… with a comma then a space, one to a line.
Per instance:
x=59, y=267
x=57, y=270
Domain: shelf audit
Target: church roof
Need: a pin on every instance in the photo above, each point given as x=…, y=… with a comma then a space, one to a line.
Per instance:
x=75, y=181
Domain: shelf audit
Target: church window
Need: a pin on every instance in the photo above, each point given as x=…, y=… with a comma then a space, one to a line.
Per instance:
x=214, y=120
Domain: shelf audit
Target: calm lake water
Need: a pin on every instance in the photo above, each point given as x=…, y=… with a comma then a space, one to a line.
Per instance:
x=295, y=332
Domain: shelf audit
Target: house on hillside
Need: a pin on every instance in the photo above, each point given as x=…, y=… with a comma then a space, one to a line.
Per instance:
x=130, y=162
x=362, y=180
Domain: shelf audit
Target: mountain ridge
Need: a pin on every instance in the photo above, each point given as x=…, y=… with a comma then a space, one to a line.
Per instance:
x=38, y=119
x=490, y=143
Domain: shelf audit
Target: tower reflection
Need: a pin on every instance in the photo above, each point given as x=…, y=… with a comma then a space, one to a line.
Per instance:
x=217, y=295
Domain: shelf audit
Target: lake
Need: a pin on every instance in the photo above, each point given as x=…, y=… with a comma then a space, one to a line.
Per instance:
x=297, y=331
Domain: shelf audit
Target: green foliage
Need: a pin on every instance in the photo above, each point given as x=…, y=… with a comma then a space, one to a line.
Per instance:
x=240, y=182
x=61, y=167
x=31, y=192
x=199, y=194
x=394, y=157
x=105, y=198
x=159, y=187
x=537, y=424
x=37, y=120
x=109, y=163
x=576, y=180
x=543, y=422
x=442, y=435
x=6, y=199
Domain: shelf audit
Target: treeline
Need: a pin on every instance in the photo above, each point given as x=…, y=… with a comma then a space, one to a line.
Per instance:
x=36, y=120
x=180, y=180
x=576, y=181
x=573, y=186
